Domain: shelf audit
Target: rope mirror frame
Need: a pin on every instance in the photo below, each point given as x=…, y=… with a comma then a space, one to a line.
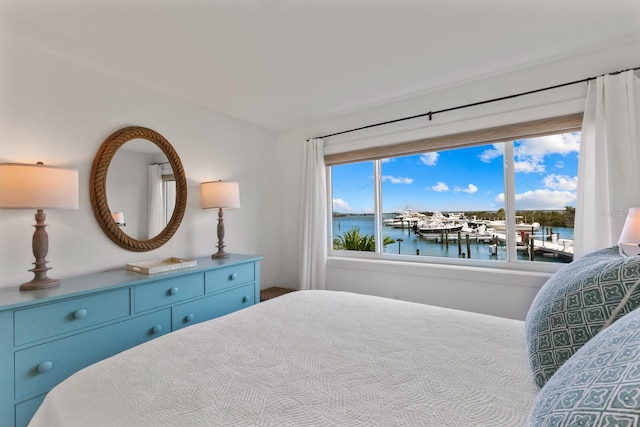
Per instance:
x=98, y=188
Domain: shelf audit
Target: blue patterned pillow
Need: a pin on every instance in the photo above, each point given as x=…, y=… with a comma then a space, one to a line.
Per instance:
x=573, y=306
x=597, y=386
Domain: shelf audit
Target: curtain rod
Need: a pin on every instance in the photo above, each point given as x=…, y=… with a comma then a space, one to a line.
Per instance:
x=430, y=114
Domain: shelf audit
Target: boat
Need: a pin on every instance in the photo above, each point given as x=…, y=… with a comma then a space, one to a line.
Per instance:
x=437, y=227
x=405, y=219
x=500, y=225
x=438, y=223
x=474, y=222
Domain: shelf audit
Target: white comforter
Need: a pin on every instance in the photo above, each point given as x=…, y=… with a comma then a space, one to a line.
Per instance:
x=311, y=358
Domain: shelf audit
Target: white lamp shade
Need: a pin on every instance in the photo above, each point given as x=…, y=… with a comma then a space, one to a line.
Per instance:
x=24, y=186
x=629, y=240
x=219, y=195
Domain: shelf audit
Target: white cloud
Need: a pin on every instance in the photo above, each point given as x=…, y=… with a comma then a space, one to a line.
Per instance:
x=560, y=164
x=529, y=153
x=394, y=180
x=340, y=205
x=440, y=186
x=490, y=154
x=541, y=200
x=429, y=159
x=528, y=166
x=470, y=189
x=561, y=182
x=544, y=145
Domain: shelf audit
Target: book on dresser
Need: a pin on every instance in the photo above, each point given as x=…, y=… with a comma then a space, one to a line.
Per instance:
x=49, y=334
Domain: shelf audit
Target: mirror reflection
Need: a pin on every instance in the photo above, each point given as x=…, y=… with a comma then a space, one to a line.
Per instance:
x=141, y=189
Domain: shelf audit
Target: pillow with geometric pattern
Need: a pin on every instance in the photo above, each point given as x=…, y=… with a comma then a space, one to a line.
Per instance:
x=597, y=386
x=574, y=305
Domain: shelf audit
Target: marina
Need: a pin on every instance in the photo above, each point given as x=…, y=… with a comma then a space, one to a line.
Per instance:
x=464, y=238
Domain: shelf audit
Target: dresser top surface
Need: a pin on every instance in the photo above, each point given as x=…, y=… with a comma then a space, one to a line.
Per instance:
x=12, y=297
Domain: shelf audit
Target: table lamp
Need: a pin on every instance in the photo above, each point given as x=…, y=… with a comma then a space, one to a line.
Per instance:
x=220, y=195
x=24, y=186
x=118, y=218
x=629, y=241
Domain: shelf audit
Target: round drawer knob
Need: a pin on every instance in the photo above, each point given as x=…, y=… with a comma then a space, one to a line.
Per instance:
x=157, y=329
x=173, y=291
x=189, y=318
x=245, y=298
x=233, y=276
x=45, y=367
x=80, y=314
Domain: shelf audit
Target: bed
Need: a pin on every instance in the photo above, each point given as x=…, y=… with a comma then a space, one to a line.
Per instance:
x=324, y=358
x=311, y=358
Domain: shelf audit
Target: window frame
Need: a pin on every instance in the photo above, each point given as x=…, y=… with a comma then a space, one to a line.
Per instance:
x=506, y=134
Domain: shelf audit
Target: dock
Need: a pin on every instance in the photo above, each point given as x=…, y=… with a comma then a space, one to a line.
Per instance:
x=541, y=244
x=562, y=247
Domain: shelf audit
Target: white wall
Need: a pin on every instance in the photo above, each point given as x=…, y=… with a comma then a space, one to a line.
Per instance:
x=60, y=113
x=505, y=293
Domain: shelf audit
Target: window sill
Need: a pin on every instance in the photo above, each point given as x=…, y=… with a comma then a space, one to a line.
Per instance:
x=507, y=273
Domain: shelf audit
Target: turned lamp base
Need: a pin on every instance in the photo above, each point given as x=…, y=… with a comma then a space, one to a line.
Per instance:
x=36, y=284
x=40, y=244
x=221, y=253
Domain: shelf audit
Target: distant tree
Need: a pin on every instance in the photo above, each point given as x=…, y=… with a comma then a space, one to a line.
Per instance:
x=569, y=216
x=352, y=240
x=551, y=218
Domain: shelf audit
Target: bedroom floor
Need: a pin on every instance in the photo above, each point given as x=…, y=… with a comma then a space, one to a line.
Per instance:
x=273, y=292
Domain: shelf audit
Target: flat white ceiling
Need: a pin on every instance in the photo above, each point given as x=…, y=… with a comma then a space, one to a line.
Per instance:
x=283, y=63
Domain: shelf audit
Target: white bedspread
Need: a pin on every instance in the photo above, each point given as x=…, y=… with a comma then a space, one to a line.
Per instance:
x=311, y=358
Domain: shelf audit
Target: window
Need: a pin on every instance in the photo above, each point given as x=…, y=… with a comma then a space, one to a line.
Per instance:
x=459, y=202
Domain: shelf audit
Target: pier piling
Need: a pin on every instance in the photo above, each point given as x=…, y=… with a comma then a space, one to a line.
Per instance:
x=468, y=246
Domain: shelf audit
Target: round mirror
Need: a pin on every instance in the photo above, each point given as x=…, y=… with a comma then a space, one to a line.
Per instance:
x=138, y=189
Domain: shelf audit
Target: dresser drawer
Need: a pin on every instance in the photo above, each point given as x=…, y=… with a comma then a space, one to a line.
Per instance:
x=26, y=409
x=39, y=368
x=235, y=299
x=193, y=312
x=168, y=291
x=212, y=306
x=222, y=278
x=57, y=318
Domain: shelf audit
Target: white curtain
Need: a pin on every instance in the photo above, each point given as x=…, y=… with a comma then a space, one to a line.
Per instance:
x=608, y=170
x=313, y=214
x=155, y=223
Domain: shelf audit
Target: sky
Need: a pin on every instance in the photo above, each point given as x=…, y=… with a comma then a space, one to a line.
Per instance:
x=468, y=179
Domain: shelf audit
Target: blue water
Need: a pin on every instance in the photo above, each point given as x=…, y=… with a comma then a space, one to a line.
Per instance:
x=414, y=245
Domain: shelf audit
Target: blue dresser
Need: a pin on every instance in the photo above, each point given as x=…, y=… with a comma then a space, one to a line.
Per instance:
x=47, y=335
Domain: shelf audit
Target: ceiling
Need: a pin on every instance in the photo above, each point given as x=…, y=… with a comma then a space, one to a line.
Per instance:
x=283, y=63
